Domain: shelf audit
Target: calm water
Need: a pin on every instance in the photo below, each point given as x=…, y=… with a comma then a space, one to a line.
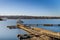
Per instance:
x=10, y=34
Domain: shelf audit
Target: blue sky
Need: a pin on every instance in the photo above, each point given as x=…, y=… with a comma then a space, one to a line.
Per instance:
x=30, y=7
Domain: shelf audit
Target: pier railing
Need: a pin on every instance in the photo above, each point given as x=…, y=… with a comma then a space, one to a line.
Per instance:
x=42, y=24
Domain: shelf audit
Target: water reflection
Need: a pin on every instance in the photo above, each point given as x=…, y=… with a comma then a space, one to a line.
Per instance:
x=9, y=34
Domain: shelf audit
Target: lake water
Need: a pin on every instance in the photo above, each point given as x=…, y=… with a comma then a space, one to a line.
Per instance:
x=11, y=34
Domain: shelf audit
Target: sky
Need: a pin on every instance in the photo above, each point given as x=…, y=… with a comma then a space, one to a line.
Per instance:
x=30, y=7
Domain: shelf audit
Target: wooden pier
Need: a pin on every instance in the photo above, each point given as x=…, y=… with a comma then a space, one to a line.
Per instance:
x=40, y=33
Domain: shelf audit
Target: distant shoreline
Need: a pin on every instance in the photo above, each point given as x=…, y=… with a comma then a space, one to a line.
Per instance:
x=31, y=17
